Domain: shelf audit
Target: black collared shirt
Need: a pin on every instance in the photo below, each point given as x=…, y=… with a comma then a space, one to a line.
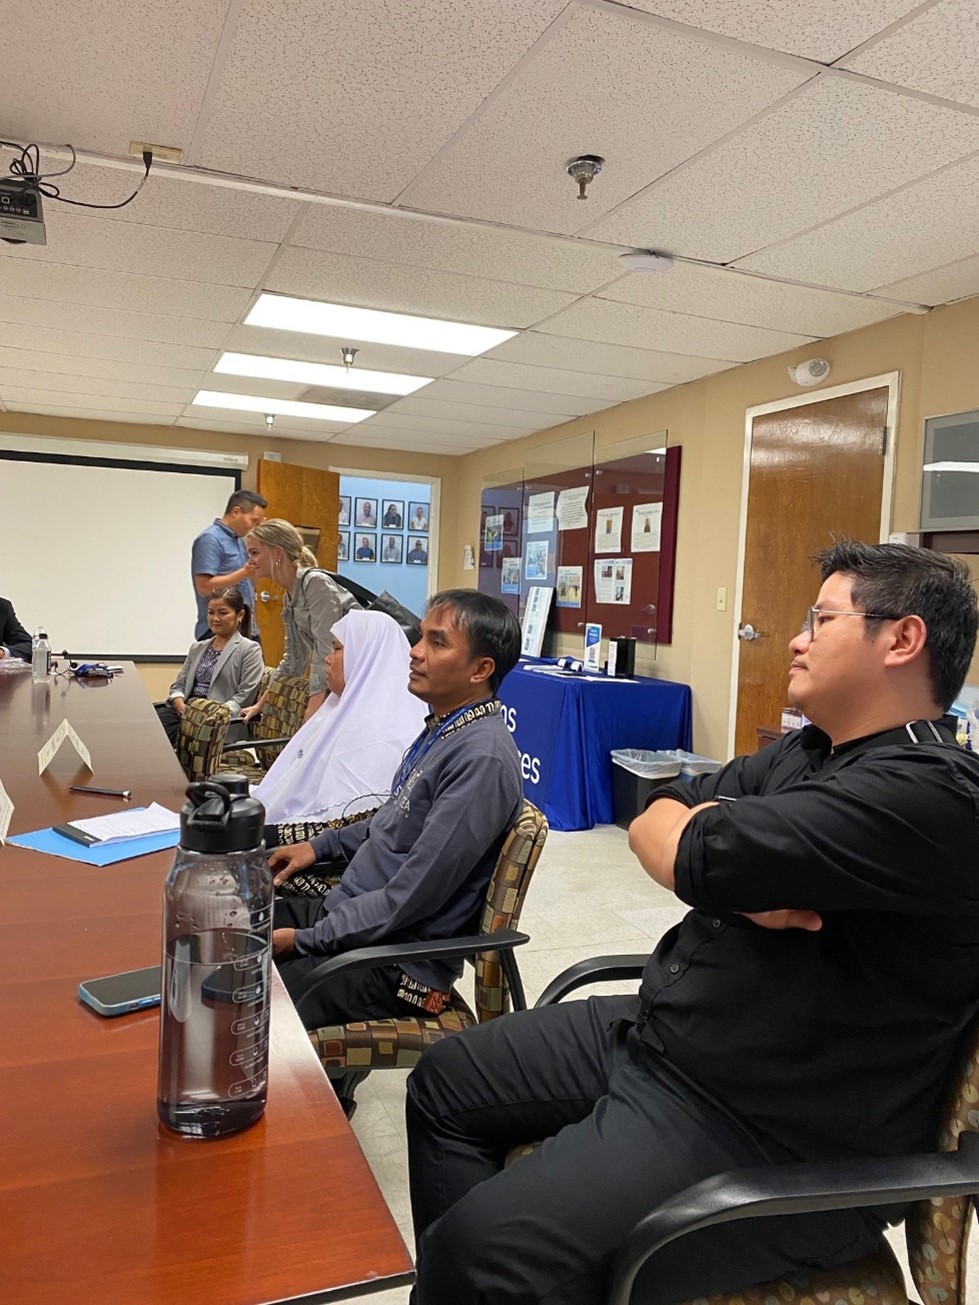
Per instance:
x=841, y=1040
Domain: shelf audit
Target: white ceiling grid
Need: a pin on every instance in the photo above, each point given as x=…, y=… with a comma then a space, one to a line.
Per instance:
x=813, y=165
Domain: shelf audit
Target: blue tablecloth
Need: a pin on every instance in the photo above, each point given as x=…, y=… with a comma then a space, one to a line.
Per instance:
x=565, y=727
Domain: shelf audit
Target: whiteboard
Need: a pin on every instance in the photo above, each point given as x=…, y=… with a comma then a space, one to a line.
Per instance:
x=98, y=550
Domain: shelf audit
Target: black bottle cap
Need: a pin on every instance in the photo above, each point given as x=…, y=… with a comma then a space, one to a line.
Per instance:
x=216, y=819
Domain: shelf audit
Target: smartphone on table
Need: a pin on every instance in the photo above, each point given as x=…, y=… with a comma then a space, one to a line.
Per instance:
x=118, y=994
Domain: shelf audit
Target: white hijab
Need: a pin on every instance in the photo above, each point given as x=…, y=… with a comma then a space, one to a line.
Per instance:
x=351, y=747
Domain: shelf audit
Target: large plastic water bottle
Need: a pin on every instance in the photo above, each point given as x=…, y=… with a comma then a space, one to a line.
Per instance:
x=40, y=656
x=217, y=949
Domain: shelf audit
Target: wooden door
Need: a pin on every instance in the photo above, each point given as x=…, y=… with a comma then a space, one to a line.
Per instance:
x=815, y=471
x=306, y=496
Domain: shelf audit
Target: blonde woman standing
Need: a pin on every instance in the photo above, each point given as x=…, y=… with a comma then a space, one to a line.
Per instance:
x=311, y=605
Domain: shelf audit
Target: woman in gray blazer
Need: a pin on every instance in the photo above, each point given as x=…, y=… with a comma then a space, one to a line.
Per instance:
x=226, y=668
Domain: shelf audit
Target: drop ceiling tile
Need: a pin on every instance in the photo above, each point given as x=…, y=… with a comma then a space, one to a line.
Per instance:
x=425, y=408
x=591, y=357
x=26, y=399
x=552, y=407
x=355, y=98
x=925, y=226
x=226, y=384
x=815, y=29
x=935, y=52
x=256, y=420
x=726, y=296
x=242, y=428
x=340, y=278
x=273, y=343
x=100, y=289
x=169, y=201
x=942, y=286
x=109, y=415
x=416, y=444
x=13, y=378
x=555, y=380
x=131, y=326
x=643, y=97
x=97, y=77
x=284, y=428
x=631, y=324
x=65, y=365
x=88, y=241
x=42, y=339
x=468, y=250
x=836, y=144
x=442, y=426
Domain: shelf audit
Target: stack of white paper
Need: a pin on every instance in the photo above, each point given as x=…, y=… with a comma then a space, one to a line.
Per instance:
x=122, y=826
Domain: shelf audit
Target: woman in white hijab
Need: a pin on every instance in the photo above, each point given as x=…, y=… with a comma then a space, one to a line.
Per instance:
x=340, y=764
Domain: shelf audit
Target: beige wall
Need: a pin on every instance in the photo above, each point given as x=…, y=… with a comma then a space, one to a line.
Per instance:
x=934, y=353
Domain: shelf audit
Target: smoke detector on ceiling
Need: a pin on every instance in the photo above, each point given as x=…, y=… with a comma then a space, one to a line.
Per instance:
x=645, y=260
x=810, y=372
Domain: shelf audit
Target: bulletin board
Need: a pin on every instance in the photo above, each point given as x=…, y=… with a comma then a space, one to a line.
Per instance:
x=622, y=579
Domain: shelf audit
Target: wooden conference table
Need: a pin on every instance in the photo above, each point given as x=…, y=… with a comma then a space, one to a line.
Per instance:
x=98, y=1202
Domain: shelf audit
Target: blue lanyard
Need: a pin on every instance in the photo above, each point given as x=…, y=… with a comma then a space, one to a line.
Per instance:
x=422, y=746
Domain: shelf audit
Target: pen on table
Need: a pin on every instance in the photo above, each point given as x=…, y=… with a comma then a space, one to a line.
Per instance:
x=125, y=793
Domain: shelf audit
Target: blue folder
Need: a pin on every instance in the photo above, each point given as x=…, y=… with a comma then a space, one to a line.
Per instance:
x=52, y=844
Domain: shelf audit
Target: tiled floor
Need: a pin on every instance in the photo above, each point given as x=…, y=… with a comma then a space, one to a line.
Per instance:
x=589, y=897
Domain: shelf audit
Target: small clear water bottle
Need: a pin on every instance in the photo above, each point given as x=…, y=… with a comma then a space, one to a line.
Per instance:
x=40, y=656
x=217, y=953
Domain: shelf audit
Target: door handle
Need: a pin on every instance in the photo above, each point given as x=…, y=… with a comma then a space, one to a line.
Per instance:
x=266, y=597
x=748, y=633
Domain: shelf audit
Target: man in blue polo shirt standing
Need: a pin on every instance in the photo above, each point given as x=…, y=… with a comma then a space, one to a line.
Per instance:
x=219, y=558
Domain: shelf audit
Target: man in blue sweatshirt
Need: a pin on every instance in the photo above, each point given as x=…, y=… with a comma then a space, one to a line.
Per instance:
x=419, y=867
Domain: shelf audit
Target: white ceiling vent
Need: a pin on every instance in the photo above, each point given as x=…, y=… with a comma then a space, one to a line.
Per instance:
x=348, y=398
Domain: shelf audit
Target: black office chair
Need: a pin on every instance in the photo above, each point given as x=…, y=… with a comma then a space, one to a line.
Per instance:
x=943, y=1185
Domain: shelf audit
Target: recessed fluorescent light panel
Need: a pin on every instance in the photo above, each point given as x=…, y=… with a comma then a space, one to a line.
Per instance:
x=307, y=373
x=280, y=407
x=373, y=326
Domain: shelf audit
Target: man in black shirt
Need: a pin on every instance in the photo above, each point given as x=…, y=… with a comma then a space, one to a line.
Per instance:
x=14, y=639
x=809, y=1005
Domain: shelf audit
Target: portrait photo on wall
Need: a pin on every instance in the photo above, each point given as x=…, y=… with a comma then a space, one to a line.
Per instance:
x=343, y=546
x=394, y=514
x=344, y=517
x=392, y=548
x=418, y=517
x=365, y=547
x=417, y=551
x=366, y=512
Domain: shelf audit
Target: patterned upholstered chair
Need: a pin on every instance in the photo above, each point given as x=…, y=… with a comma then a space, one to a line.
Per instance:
x=268, y=734
x=350, y=1051
x=203, y=727
x=943, y=1186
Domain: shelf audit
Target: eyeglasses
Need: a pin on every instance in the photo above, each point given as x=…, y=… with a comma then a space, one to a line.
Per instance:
x=810, y=627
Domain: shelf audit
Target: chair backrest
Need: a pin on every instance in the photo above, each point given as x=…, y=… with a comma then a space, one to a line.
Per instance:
x=937, y=1231
x=282, y=714
x=504, y=899
x=203, y=727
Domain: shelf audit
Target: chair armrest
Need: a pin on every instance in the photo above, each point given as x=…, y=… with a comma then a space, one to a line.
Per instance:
x=370, y=958
x=253, y=743
x=768, y=1190
x=599, y=969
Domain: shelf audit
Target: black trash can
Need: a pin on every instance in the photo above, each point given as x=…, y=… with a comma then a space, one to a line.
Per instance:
x=635, y=775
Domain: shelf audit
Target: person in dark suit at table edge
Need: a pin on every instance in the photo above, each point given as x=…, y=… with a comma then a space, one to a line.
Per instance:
x=14, y=639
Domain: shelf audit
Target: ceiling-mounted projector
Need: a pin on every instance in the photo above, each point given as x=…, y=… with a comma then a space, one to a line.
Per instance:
x=21, y=219
x=810, y=372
